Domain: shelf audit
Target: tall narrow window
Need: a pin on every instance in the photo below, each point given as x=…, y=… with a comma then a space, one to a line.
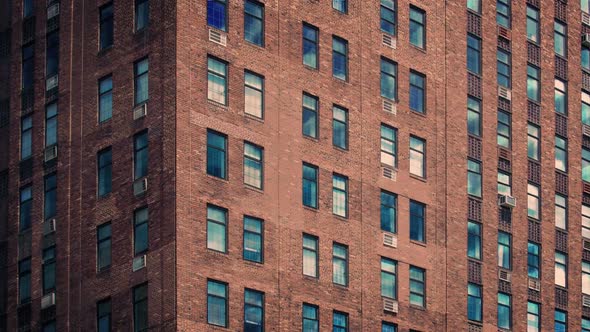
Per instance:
x=105, y=98
x=310, y=115
x=103, y=315
x=217, y=14
x=310, y=46
x=140, y=231
x=533, y=141
x=388, y=211
x=560, y=211
x=340, y=5
x=254, y=22
x=24, y=281
x=103, y=246
x=560, y=154
x=140, y=155
x=504, y=131
x=533, y=201
x=474, y=116
x=253, y=239
x=474, y=240
x=474, y=302
x=340, y=58
x=388, y=79
x=340, y=264
x=217, y=303
x=585, y=57
x=142, y=14
x=52, y=54
x=388, y=16
x=140, y=308
x=310, y=256
x=417, y=27
x=532, y=24
x=503, y=13
x=51, y=124
x=253, y=311
x=311, y=319
x=417, y=286
x=473, y=178
x=388, y=278
x=417, y=156
x=141, y=68
x=560, y=269
x=26, y=137
x=560, y=321
x=216, y=228
x=28, y=66
x=585, y=6
x=504, y=311
x=533, y=317
x=105, y=169
x=26, y=204
x=217, y=80
x=560, y=38
x=474, y=5
x=473, y=54
x=504, y=254
x=417, y=214
x=216, y=154
x=585, y=221
x=504, y=183
x=560, y=96
x=253, y=94
x=388, y=146
x=417, y=91
x=48, y=269
x=585, y=108
x=106, y=26
x=586, y=277
x=532, y=83
x=533, y=260
x=28, y=8
x=503, y=67
x=310, y=186
x=340, y=127
x=586, y=165
x=340, y=195
x=50, y=199
x=253, y=165
x=339, y=322
x=585, y=322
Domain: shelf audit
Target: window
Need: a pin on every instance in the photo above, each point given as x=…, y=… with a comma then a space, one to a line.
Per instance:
x=560, y=269
x=51, y=124
x=417, y=214
x=253, y=94
x=340, y=127
x=417, y=286
x=310, y=115
x=388, y=278
x=473, y=178
x=140, y=155
x=26, y=137
x=216, y=80
x=585, y=57
x=417, y=23
x=504, y=187
x=340, y=195
x=474, y=302
x=473, y=240
x=388, y=327
x=253, y=239
x=254, y=22
x=473, y=54
x=253, y=165
x=103, y=315
x=216, y=154
x=417, y=89
x=388, y=16
x=142, y=14
x=26, y=204
x=585, y=6
x=24, y=281
x=217, y=303
x=534, y=260
x=533, y=141
x=504, y=250
x=503, y=13
x=504, y=130
x=585, y=322
x=586, y=165
x=532, y=24
x=339, y=321
x=28, y=8
x=310, y=46
x=310, y=256
x=560, y=96
x=560, y=154
x=474, y=5
x=141, y=68
x=388, y=79
x=340, y=264
x=533, y=88
x=340, y=58
x=560, y=38
x=105, y=169
x=586, y=277
x=140, y=231
x=49, y=326
x=417, y=156
x=585, y=108
x=310, y=185
x=103, y=246
x=140, y=308
x=560, y=211
x=503, y=65
x=504, y=311
x=216, y=228
x=388, y=211
x=340, y=5
x=106, y=26
x=311, y=320
x=388, y=146
x=52, y=54
x=217, y=14
x=560, y=321
x=253, y=311
x=533, y=201
x=585, y=221
x=28, y=66
x=48, y=269
x=474, y=116
x=105, y=98
x=533, y=317
x=50, y=199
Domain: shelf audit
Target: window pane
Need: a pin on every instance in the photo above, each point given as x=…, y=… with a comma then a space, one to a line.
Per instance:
x=216, y=14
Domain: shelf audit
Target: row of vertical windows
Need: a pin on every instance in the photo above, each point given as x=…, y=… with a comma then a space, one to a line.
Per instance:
x=107, y=21
x=218, y=306
x=217, y=17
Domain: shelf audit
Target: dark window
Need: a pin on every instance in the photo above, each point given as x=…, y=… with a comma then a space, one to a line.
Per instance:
x=253, y=311
x=417, y=215
x=560, y=96
x=310, y=185
x=474, y=178
x=28, y=66
x=388, y=327
x=216, y=154
x=24, y=280
x=103, y=315
x=585, y=57
x=140, y=308
x=339, y=321
x=388, y=16
x=560, y=321
x=311, y=319
x=388, y=211
x=50, y=199
x=534, y=260
x=310, y=256
x=26, y=204
x=28, y=8
x=106, y=26
x=217, y=303
x=52, y=54
x=253, y=94
x=140, y=231
x=340, y=5
x=253, y=165
x=254, y=22
x=253, y=239
x=340, y=127
x=473, y=54
x=105, y=98
x=105, y=170
x=504, y=311
x=310, y=46
x=388, y=79
x=142, y=14
x=49, y=326
x=48, y=269
x=217, y=14
x=140, y=155
x=417, y=91
x=340, y=58
x=503, y=63
x=504, y=131
x=474, y=240
x=474, y=302
x=216, y=228
x=51, y=124
x=474, y=116
x=103, y=246
x=417, y=27
x=140, y=70
x=340, y=264
x=26, y=137
x=533, y=83
x=503, y=13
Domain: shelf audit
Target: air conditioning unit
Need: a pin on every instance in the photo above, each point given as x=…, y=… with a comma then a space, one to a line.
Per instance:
x=140, y=111
x=504, y=92
x=218, y=37
x=48, y=300
x=390, y=305
x=139, y=262
x=51, y=82
x=50, y=153
x=390, y=106
x=503, y=32
x=585, y=19
x=586, y=39
x=586, y=244
x=390, y=240
x=504, y=275
x=586, y=301
x=49, y=226
x=389, y=41
x=140, y=186
x=586, y=130
x=535, y=284
x=507, y=201
x=390, y=173
x=52, y=11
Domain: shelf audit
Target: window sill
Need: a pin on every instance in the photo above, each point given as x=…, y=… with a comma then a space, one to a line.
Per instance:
x=218, y=253
x=104, y=273
x=418, y=243
x=418, y=48
x=417, y=307
x=313, y=139
x=337, y=148
x=310, y=278
x=261, y=47
x=421, y=114
x=254, y=189
x=339, y=217
x=316, y=70
x=105, y=51
x=418, y=178
x=253, y=118
x=217, y=105
x=312, y=209
x=340, y=287
x=213, y=177
x=253, y=263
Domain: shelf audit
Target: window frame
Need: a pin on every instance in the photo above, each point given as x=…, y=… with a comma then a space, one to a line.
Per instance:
x=477, y=176
x=104, y=114
x=560, y=37
x=50, y=196
x=260, y=234
x=337, y=257
x=108, y=239
x=471, y=102
x=421, y=26
x=252, y=159
x=247, y=305
x=389, y=141
x=338, y=42
x=225, y=298
x=252, y=16
x=535, y=80
x=420, y=153
x=315, y=43
x=100, y=314
x=339, y=120
x=535, y=140
x=314, y=182
x=420, y=89
x=533, y=23
x=536, y=196
x=477, y=236
x=478, y=302
x=562, y=265
x=310, y=113
x=139, y=76
x=421, y=219
x=504, y=79
x=24, y=280
x=506, y=306
x=390, y=274
x=105, y=166
x=504, y=250
x=474, y=51
x=137, y=224
x=314, y=320
x=209, y=166
x=338, y=191
x=419, y=282
x=560, y=93
x=138, y=302
x=137, y=13
x=390, y=75
x=312, y=250
x=220, y=223
x=106, y=21
x=212, y=73
x=48, y=264
x=256, y=89
x=501, y=16
x=138, y=151
x=51, y=124
x=339, y=327
x=384, y=21
x=390, y=208
x=534, y=260
x=222, y=3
